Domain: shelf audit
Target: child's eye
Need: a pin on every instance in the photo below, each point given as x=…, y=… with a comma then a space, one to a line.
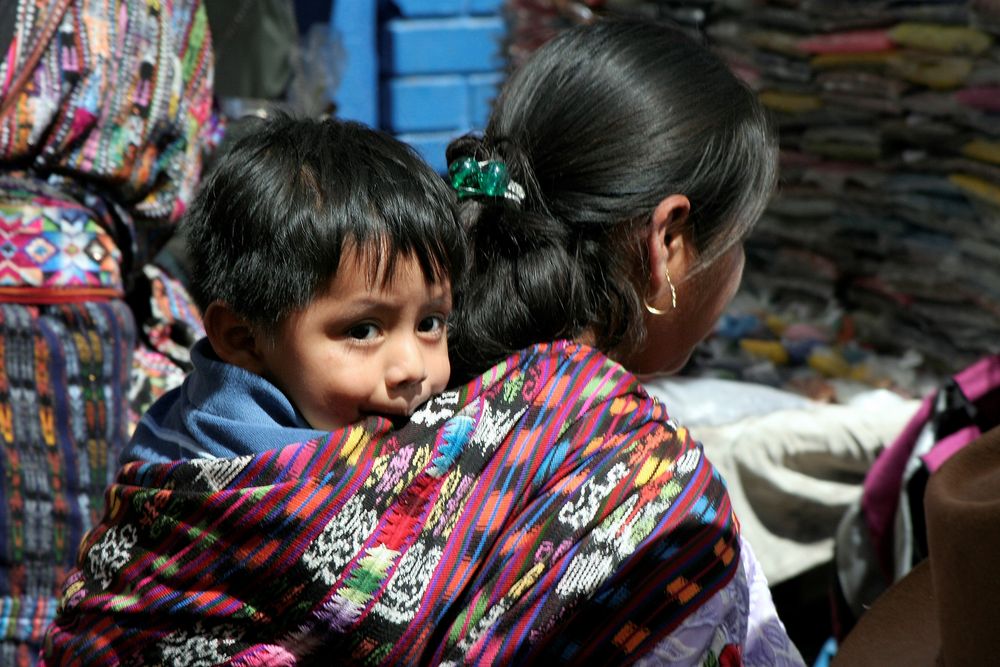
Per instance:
x=363, y=332
x=433, y=324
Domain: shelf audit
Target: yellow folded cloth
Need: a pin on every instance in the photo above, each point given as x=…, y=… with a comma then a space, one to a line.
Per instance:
x=956, y=40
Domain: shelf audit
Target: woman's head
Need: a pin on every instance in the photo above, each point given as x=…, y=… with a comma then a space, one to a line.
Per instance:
x=601, y=127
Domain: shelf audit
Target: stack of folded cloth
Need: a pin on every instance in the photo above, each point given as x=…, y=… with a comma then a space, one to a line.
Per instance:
x=531, y=23
x=811, y=349
x=885, y=234
x=888, y=215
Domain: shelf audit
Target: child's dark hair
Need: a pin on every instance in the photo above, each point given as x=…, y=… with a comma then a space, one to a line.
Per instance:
x=267, y=229
x=599, y=126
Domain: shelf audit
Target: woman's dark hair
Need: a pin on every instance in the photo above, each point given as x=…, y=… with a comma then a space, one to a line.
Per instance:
x=267, y=229
x=599, y=126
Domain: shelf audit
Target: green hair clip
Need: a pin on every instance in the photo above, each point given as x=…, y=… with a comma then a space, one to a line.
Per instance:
x=470, y=178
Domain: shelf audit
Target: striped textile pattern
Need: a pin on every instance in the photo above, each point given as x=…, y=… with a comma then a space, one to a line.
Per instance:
x=548, y=510
x=63, y=422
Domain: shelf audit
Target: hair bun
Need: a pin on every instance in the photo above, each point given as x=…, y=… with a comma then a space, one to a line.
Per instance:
x=468, y=145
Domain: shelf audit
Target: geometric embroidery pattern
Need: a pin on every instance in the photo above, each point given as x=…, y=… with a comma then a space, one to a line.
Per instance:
x=54, y=246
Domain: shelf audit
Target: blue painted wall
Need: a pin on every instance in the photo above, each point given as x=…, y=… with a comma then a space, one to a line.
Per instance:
x=426, y=70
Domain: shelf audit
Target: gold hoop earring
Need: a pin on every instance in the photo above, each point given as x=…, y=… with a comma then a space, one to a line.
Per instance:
x=673, y=292
x=673, y=299
x=651, y=309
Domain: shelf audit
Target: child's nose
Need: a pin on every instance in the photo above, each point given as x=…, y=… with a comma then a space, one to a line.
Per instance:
x=407, y=364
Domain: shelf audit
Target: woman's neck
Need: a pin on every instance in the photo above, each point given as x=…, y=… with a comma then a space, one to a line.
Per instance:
x=586, y=338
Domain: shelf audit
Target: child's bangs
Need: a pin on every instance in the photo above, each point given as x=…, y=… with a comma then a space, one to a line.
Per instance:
x=378, y=257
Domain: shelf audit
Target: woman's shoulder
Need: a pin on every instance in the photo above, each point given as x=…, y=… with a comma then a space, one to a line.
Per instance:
x=572, y=356
x=566, y=370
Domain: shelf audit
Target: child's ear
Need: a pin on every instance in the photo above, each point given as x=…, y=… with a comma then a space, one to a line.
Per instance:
x=232, y=337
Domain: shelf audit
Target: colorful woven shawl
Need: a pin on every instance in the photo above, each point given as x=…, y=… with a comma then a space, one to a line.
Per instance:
x=548, y=510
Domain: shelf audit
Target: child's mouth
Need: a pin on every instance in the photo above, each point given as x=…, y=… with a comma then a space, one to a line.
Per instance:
x=398, y=421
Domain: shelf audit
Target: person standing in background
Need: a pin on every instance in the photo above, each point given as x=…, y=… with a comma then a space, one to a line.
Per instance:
x=105, y=116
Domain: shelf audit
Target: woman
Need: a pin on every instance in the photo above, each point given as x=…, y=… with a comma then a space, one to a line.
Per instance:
x=639, y=164
x=546, y=509
x=104, y=117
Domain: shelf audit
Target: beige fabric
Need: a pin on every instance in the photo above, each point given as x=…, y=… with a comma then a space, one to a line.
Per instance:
x=791, y=472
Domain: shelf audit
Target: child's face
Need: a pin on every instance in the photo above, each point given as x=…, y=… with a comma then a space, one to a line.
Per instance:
x=359, y=350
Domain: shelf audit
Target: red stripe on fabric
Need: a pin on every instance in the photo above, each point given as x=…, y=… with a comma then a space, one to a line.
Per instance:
x=459, y=568
x=27, y=295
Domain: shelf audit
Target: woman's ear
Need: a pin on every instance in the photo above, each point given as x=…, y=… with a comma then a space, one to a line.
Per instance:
x=232, y=338
x=669, y=247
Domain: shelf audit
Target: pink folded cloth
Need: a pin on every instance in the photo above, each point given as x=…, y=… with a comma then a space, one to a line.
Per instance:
x=854, y=41
x=985, y=98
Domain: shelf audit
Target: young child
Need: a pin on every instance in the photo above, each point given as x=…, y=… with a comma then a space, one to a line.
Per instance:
x=323, y=254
